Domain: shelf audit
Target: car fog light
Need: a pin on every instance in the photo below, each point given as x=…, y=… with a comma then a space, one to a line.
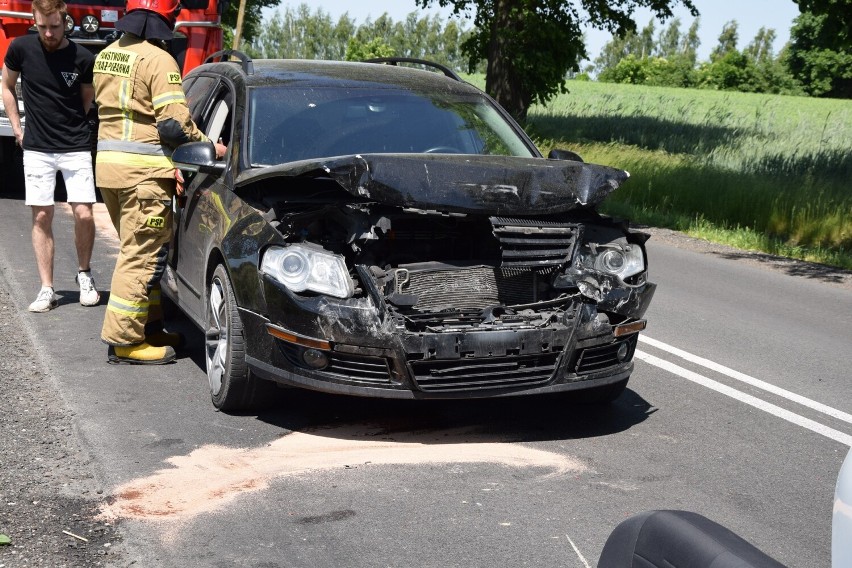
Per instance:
x=622, y=352
x=315, y=359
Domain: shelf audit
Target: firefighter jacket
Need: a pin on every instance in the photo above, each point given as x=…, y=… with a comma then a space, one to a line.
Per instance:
x=142, y=112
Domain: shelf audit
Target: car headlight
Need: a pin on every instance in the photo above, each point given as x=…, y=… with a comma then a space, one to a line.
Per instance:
x=623, y=261
x=300, y=268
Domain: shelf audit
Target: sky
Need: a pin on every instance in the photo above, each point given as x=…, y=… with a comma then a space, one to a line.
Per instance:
x=751, y=15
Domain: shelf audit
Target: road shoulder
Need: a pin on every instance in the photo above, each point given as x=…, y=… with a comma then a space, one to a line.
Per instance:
x=49, y=491
x=797, y=268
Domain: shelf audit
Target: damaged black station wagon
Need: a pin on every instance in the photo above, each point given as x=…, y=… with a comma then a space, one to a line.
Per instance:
x=388, y=231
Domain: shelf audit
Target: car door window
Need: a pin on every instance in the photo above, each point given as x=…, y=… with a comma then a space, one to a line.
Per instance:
x=197, y=95
x=216, y=126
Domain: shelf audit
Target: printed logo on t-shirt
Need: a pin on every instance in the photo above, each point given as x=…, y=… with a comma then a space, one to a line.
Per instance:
x=69, y=78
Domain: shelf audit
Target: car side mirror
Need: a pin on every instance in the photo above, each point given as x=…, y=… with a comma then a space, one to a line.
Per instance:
x=557, y=154
x=197, y=157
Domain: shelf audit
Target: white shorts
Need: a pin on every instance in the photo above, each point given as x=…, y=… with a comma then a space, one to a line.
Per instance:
x=40, y=176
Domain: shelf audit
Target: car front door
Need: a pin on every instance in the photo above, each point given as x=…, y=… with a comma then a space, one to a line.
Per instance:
x=200, y=218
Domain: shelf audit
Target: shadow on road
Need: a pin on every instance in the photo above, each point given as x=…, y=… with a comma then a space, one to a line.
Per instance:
x=515, y=419
x=810, y=270
x=523, y=419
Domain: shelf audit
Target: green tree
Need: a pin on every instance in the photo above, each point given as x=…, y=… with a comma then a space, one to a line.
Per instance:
x=344, y=30
x=672, y=63
x=669, y=40
x=303, y=33
x=382, y=28
x=730, y=71
x=631, y=69
x=359, y=51
x=638, y=59
x=772, y=73
x=531, y=45
x=677, y=71
x=689, y=43
x=727, y=41
x=450, y=46
x=838, y=23
x=639, y=44
x=252, y=19
x=820, y=54
x=755, y=69
x=760, y=50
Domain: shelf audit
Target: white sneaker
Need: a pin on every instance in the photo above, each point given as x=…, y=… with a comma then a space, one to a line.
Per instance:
x=45, y=301
x=88, y=295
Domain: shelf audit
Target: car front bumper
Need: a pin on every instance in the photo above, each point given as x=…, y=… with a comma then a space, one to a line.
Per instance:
x=367, y=355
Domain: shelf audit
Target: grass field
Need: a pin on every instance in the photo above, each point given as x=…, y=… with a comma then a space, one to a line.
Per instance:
x=764, y=172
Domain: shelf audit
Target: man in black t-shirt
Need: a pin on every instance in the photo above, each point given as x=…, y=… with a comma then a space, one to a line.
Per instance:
x=56, y=83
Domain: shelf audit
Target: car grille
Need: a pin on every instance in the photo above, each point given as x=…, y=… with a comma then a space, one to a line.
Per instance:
x=598, y=358
x=469, y=288
x=460, y=375
x=534, y=244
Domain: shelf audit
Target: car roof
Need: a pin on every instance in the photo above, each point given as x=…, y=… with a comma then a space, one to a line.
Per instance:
x=299, y=73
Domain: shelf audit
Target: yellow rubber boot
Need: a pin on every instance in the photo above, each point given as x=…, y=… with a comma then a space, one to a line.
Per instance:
x=164, y=338
x=142, y=354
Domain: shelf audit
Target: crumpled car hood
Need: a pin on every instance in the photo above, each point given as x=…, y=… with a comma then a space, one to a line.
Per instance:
x=460, y=183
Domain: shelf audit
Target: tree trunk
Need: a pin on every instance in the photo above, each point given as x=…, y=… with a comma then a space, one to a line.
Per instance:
x=501, y=78
x=238, y=31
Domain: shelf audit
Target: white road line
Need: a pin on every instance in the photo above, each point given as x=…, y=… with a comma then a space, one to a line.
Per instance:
x=747, y=398
x=577, y=550
x=812, y=404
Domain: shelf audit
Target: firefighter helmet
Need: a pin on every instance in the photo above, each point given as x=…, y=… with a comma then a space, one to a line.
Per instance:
x=168, y=9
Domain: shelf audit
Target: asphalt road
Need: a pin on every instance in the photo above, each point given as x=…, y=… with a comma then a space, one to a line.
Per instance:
x=738, y=410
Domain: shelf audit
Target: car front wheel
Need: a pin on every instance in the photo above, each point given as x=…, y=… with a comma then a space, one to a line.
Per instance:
x=232, y=386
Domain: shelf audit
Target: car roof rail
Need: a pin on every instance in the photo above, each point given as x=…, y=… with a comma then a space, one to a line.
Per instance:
x=426, y=63
x=246, y=62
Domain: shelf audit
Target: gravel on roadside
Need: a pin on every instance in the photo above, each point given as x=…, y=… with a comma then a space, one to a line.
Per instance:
x=49, y=495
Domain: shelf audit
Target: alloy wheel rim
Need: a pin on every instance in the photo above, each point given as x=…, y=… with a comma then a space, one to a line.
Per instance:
x=216, y=341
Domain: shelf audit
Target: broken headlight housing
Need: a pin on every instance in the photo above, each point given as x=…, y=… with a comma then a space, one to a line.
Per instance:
x=304, y=268
x=621, y=260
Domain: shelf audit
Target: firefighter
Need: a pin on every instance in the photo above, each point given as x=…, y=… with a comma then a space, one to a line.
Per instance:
x=143, y=117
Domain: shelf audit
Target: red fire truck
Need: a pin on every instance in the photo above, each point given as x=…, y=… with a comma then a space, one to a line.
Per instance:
x=91, y=23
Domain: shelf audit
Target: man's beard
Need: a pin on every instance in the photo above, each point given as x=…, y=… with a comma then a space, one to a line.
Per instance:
x=50, y=45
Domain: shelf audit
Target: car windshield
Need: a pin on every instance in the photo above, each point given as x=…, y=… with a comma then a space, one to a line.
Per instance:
x=288, y=124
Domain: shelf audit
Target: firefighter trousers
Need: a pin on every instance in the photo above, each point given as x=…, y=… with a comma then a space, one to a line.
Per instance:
x=142, y=216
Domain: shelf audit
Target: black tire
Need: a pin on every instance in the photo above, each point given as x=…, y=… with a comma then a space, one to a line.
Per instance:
x=604, y=394
x=232, y=386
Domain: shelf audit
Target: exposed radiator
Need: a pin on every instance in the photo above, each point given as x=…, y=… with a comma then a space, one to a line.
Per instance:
x=467, y=288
